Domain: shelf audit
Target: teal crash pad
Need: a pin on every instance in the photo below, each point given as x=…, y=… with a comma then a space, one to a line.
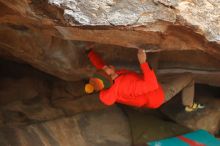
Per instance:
x=196, y=138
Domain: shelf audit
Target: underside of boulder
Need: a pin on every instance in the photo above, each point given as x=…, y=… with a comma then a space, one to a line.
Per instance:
x=50, y=35
x=42, y=52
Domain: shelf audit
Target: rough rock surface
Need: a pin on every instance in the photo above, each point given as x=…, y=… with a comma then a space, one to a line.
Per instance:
x=30, y=96
x=79, y=130
x=203, y=15
x=48, y=34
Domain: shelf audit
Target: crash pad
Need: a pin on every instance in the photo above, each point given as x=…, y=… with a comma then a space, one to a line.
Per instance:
x=196, y=138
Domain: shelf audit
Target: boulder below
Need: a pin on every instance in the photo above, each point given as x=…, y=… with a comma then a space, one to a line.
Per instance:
x=207, y=118
x=101, y=128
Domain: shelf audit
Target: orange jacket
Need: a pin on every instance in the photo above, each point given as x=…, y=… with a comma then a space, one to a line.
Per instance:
x=131, y=88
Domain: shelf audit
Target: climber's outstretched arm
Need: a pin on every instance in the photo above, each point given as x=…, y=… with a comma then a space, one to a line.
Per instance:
x=150, y=78
x=94, y=58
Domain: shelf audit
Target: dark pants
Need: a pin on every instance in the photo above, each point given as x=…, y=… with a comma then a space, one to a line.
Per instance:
x=173, y=84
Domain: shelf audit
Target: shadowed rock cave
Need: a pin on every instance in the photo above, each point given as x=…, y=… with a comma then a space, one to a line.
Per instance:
x=44, y=67
x=41, y=109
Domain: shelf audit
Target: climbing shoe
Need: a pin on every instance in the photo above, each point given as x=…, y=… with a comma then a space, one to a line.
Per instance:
x=194, y=107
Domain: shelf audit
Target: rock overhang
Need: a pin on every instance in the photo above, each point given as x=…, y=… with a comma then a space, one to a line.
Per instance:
x=43, y=34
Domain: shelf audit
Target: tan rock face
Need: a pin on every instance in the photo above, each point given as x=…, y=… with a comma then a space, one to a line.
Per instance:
x=49, y=35
x=203, y=15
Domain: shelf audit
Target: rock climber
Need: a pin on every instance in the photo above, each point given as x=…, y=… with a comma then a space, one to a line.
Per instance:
x=138, y=89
